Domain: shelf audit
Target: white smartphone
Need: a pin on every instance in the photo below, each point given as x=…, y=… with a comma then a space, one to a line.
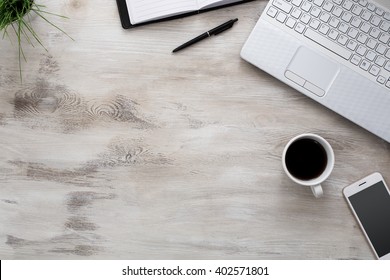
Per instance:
x=369, y=200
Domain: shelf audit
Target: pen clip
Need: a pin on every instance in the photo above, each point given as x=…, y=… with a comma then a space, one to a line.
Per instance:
x=223, y=27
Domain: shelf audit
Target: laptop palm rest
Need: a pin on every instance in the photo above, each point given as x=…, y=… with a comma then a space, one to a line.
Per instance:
x=312, y=71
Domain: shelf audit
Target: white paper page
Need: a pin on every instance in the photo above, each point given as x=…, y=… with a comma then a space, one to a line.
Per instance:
x=214, y=3
x=145, y=10
x=204, y=3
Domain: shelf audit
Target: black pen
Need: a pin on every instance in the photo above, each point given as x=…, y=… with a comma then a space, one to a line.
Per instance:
x=224, y=26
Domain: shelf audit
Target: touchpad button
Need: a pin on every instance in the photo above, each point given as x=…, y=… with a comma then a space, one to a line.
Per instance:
x=316, y=71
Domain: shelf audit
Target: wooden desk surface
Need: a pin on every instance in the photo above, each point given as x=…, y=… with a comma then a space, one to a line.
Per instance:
x=113, y=148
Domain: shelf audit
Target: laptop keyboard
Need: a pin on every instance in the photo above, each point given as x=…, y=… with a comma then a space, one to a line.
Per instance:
x=356, y=30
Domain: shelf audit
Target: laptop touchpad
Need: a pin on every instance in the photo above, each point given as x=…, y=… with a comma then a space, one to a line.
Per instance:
x=312, y=71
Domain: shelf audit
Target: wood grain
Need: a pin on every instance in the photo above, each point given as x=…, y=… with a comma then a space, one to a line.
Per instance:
x=113, y=148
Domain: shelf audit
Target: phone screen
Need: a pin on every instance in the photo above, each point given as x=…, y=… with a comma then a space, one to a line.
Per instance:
x=372, y=206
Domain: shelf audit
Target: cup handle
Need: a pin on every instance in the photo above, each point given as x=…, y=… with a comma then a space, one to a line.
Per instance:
x=317, y=191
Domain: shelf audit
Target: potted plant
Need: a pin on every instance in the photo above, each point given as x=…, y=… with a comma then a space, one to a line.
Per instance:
x=15, y=16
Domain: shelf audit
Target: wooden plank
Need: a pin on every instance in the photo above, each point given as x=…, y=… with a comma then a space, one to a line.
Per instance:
x=114, y=148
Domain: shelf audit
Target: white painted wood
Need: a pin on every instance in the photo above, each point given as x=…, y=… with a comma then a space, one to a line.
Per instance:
x=113, y=148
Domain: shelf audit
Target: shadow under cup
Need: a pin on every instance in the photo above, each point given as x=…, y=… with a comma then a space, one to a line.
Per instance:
x=308, y=160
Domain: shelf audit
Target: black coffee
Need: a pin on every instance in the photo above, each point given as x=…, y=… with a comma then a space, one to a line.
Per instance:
x=306, y=159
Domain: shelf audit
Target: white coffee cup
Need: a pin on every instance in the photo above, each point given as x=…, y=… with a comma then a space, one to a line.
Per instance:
x=324, y=169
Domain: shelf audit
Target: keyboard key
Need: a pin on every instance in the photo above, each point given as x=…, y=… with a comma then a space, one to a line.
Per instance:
x=338, y=2
x=381, y=49
x=371, y=7
x=365, y=27
x=318, y=2
x=387, y=16
x=381, y=80
x=380, y=61
x=281, y=17
x=388, y=84
x=375, y=20
x=291, y=22
x=384, y=38
x=385, y=26
x=370, y=55
x=324, y=29
x=379, y=12
x=356, y=59
x=337, y=11
x=375, y=33
x=328, y=6
x=352, y=45
x=305, y=18
x=315, y=23
x=363, y=3
x=387, y=66
x=342, y=39
x=388, y=53
x=325, y=42
x=343, y=27
x=296, y=13
x=357, y=10
x=361, y=50
x=272, y=12
x=325, y=17
x=333, y=34
x=284, y=6
x=347, y=5
x=374, y=70
x=346, y=17
x=356, y=22
x=352, y=33
x=362, y=38
x=371, y=43
x=365, y=65
x=334, y=22
x=366, y=15
x=300, y=28
x=315, y=12
x=296, y=2
x=306, y=6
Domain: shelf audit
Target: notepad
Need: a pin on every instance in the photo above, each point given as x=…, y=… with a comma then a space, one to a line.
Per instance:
x=139, y=12
x=147, y=10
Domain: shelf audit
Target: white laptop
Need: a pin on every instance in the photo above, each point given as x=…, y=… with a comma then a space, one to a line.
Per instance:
x=337, y=52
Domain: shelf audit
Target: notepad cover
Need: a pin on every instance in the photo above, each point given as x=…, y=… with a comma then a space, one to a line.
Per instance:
x=126, y=23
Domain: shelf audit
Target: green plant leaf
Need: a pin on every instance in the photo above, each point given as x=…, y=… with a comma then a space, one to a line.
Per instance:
x=14, y=14
x=52, y=24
